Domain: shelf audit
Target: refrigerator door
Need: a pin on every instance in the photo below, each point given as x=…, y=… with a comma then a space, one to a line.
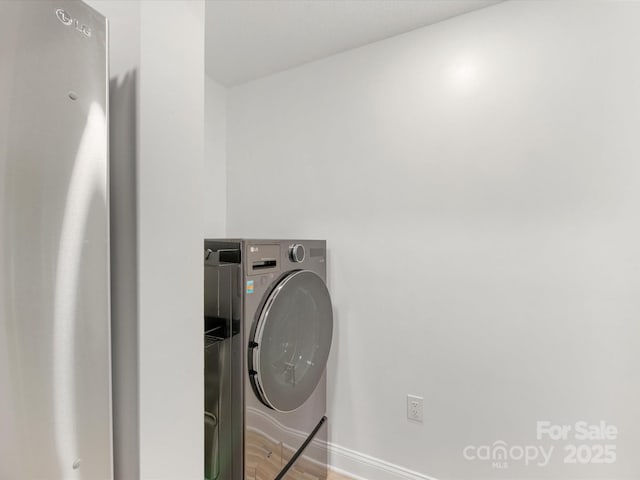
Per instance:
x=55, y=385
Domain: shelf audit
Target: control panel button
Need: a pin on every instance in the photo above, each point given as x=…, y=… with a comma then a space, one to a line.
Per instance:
x=296, y=253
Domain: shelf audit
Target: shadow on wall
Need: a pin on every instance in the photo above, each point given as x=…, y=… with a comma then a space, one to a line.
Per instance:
x=335, y=362
x=123, y=116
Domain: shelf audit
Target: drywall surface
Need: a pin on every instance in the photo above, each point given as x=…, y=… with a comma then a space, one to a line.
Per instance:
x=157, y=196
x=215, y=154
x=124, y=65
x=170, y=232
x=478, y=184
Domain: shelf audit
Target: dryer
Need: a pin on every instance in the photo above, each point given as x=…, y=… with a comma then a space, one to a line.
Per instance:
x=284, y=322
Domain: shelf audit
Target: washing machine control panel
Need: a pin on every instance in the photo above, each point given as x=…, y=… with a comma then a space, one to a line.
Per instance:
x=262, y=259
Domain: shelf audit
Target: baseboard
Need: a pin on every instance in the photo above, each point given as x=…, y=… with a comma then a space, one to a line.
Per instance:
x=360, y=466
x=344, y=461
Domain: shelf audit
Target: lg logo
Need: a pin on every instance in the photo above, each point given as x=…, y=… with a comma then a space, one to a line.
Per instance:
x=69, y=21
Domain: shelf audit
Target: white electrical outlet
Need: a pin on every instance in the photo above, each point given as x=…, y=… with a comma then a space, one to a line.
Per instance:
x=415, y=408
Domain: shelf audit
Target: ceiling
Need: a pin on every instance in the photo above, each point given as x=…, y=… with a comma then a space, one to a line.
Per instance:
x=249, y=39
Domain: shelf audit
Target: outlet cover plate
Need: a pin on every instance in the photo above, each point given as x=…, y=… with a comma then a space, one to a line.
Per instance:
x=415, y=408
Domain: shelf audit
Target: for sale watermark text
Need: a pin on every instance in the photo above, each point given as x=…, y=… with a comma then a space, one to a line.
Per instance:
x=577, y=443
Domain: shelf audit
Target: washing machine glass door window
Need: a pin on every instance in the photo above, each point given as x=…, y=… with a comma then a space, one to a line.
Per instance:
x=292, y=341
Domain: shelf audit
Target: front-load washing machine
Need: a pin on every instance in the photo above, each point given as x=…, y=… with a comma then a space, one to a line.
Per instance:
x=267, y=303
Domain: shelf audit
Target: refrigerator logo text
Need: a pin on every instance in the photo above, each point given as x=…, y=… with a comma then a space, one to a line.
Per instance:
x=69, y=21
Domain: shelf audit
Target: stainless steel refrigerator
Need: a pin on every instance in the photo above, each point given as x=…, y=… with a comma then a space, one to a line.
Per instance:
x=55, y=383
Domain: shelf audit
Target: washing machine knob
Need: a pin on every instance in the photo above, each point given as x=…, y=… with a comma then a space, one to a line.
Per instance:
x=296, y=253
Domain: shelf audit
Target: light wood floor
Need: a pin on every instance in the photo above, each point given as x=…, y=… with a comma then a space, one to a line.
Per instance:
x=264, y=459
x=336, y=476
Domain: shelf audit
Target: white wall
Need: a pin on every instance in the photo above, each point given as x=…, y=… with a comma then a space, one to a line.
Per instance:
x=157, y=197
x=170, y=233
x=215, y=152
x=478, y=184
x=124, y=66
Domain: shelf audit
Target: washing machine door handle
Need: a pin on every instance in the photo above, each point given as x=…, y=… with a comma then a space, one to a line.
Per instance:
x=291, y=342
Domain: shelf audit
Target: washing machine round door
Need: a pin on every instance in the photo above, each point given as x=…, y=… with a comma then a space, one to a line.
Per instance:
x=291, y=341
